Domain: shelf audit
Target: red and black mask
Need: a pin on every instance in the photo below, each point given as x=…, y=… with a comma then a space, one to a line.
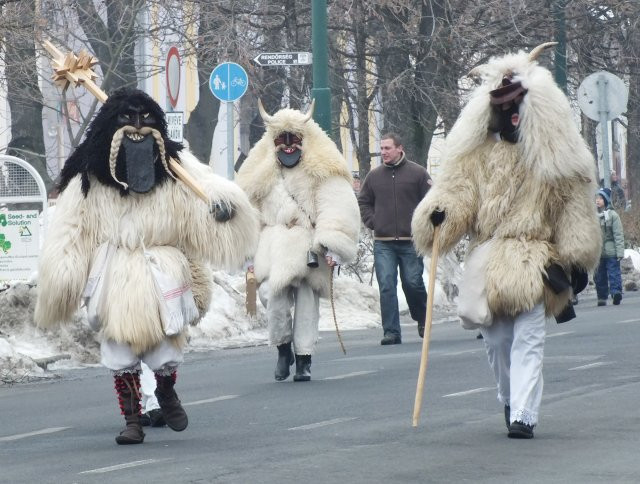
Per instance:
x=288, y=149
x=505, y=102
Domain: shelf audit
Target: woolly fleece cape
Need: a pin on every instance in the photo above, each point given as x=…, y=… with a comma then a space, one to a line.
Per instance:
x=534, y=198
x=291, y=200
x=170, y=222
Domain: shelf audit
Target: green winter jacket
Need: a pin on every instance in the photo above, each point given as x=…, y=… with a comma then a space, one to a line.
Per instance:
x=612, y=234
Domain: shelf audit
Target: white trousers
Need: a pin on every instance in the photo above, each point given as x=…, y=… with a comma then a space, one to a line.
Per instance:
x=147, y=389
x=515, y=347
x=119, y=357
x=302, y=328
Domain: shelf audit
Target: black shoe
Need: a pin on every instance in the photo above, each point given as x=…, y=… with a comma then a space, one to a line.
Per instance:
x=156, y=419
x=421, y=330
x=285, y=360
x=574, y=300
x=617, y=297
x=390, y=339
x=303, y=368
x=602, y=302
x=520, y=430
x=479, y=336
x=507, y=415
x=145, y=420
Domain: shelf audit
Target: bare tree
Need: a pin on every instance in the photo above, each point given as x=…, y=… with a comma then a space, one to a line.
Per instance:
x=23, y=92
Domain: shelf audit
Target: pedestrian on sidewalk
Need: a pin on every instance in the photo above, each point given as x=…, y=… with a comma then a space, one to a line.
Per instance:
x=607, y=277
x=389, y=195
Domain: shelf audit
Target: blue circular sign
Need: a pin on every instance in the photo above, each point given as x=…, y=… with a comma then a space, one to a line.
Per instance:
x=228, y=81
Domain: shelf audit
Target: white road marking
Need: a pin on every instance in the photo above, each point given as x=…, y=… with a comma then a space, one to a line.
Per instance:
x=323, y=423
x=388, y=356
x=469, y=392
x=628, y=321
x=591, y=365
x=553, y=335
x=456, y=353
x=348, y=375
x=135, y=463
x=210, y=400
x=31, y=434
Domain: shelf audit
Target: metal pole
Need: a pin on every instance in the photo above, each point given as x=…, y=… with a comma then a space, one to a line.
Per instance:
x=320, y=92
x=604, y=129
x=230, y=141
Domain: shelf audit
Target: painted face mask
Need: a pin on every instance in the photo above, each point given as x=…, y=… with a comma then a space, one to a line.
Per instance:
x=505, y=102
x=288, y=149
x=138, y=144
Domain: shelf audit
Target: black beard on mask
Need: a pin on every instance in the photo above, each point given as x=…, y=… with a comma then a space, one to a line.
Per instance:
x=506, y=122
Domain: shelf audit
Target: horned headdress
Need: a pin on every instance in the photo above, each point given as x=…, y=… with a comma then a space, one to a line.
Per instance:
x=550, y=143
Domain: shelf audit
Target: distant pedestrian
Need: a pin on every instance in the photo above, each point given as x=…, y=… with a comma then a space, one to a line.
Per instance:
x=618, y=199
x=389, y=195
x=607, y=277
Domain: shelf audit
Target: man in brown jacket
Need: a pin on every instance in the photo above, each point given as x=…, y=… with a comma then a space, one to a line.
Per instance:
x=388, y=197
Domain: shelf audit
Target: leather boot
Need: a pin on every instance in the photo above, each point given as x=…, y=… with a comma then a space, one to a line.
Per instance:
x=127, y=386
x=303, y=368
x=174, y=415
x=285, y=360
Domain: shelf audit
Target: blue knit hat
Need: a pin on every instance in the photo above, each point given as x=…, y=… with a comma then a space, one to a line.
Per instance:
x=605, y=193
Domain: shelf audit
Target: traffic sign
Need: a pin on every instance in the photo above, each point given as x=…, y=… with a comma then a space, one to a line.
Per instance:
x=603, y=94
x=283, y=58
x=228, y=81
x=172, y=72
x=175, y=126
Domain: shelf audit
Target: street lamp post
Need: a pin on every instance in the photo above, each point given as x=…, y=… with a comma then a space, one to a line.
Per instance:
x=320, y=92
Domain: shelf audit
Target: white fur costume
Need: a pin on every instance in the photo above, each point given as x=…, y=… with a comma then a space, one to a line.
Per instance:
x=170, y=222
x=308, y=207
x=534, y=198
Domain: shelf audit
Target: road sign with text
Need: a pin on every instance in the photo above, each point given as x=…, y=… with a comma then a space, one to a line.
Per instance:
x=283, y=59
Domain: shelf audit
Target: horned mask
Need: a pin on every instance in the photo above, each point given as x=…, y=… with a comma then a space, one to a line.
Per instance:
x=288, y=136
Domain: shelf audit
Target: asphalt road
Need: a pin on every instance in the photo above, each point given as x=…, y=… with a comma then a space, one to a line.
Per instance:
x=352, y=422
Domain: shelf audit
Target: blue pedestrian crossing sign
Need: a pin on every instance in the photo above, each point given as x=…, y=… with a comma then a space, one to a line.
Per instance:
x=228, y=81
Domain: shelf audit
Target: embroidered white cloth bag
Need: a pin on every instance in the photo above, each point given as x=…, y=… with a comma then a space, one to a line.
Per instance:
x=177, y=305
x=92, y=295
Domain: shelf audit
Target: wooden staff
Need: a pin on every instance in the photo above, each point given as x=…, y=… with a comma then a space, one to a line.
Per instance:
x=427, y=330
x=77, y=70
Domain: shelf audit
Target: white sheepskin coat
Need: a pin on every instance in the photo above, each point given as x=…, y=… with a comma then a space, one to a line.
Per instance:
x=535, y=198
x=170, y=222
x=322, y=188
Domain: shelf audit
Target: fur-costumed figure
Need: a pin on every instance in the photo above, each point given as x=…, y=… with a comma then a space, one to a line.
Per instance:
x=300, y=183
x=518, y=179
x=136, y=244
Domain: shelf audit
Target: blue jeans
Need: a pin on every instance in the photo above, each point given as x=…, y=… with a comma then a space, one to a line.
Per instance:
x=608, y=278
x=388, y=256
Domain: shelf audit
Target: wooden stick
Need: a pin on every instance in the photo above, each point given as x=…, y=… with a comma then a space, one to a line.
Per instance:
x=250, y=299
x=427, y=330
x=71, y=69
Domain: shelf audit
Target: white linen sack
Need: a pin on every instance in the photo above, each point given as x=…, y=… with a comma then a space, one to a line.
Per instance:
x=176, y=302
x=92, y=294
x=473, y=309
